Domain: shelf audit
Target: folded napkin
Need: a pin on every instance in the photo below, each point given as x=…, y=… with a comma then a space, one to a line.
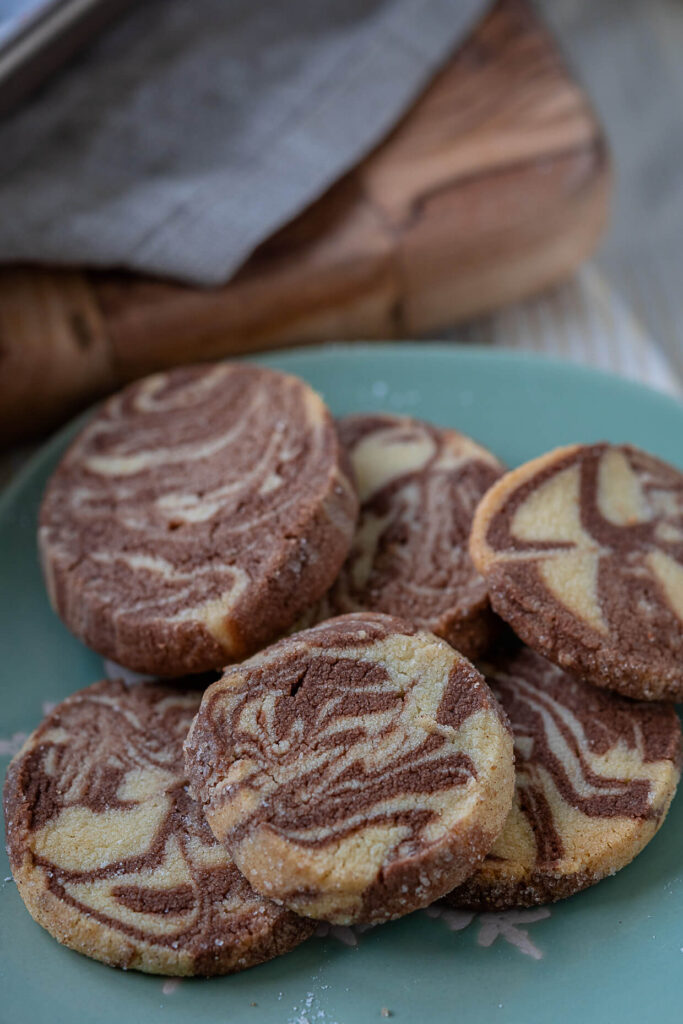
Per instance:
x=192, y=131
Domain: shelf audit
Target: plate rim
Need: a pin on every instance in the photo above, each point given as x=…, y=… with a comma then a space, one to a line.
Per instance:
x=452, y=349
x=476, y=357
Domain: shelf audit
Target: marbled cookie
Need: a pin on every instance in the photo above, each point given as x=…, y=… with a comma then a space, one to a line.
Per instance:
x=112, y=856
x=595, y=774
x=195, y=516
x=582, y=550
x=355, y=771
x=419, y=486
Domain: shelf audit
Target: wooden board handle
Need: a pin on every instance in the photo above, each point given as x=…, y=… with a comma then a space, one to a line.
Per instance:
x=54, y=349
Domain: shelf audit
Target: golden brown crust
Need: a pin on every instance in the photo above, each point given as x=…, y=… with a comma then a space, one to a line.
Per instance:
x=195, y=516
x=582, y=550
x=595, y=776
x=419, y=486
x=353, y=770
x=110, y=854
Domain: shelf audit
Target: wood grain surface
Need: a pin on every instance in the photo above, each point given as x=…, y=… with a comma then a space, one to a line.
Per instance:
x=494, y=185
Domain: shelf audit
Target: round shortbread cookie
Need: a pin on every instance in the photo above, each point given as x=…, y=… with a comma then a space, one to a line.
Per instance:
x=113, y=857
x=195, y=516
x=595, y=775
x=355, y=771
x=418, y=486
x=582, y=550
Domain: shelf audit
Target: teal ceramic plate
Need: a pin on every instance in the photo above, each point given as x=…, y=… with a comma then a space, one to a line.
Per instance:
x=611, y=954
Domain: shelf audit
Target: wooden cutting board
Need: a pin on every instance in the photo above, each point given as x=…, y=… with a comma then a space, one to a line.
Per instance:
x=494, y=185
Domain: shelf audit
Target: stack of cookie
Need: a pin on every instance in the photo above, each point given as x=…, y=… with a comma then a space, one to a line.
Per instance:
x=351, y=764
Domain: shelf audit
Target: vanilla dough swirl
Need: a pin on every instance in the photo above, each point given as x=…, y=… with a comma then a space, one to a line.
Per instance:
x=595, y=775
x=113, y=857
x=354, y=770
x=195, y=516
x=419, y=486
x=582, y=550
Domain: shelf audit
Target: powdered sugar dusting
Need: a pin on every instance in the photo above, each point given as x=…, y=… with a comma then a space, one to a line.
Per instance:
x=114, y=671
x=457, y=920
x=349, y=936
x=390, y=399
x=505, y=925
x=11, y=745
x=493, y=926
x=309, y=1011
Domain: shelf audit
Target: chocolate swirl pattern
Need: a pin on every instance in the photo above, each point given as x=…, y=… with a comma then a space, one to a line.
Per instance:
x=595, y=775
x=582, y=550
x=354, y=770
x=195, y=516
x=112, y=856
x=418, y=486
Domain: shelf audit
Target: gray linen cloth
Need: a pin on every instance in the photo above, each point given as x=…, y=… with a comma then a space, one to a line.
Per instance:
x=195, y=128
